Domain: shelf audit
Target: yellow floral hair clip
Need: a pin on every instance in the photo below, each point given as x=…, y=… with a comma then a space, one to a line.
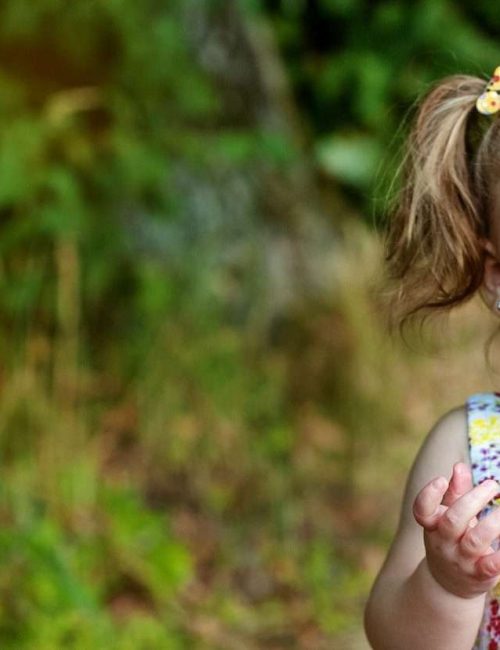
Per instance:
x=489, y=101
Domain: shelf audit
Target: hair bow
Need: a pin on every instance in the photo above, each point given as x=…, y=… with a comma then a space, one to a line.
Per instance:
x=489, y=101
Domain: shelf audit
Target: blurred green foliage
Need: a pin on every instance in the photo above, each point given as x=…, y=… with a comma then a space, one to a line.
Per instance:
x=91, y=128
x=173, y=476
x=56, y=583
x=358, y=66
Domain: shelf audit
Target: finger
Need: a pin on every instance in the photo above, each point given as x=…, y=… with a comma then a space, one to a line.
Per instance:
x=455, y=521
x=488, y=566
x=427, y=508
x=478, y=540
x=460, y=483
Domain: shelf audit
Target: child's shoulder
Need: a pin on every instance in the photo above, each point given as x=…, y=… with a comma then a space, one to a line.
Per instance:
x=453, y=434
x=444, y=445
x=457, y=436
x=455, y=425
x=447, y=440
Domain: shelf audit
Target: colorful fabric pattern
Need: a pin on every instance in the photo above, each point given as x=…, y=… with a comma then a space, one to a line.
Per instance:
x=483, y=416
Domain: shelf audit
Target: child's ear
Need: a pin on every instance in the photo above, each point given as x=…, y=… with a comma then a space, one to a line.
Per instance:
x=490, y=290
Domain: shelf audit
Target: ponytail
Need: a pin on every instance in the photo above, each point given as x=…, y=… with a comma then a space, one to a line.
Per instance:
x=433, y=242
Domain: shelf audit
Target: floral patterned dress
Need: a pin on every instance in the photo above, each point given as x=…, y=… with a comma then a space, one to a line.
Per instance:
x=483, y=416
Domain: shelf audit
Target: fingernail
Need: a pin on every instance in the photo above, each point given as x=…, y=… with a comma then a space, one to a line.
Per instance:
x=438, y=483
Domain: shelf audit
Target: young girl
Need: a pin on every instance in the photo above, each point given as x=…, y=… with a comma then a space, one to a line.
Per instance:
x=439, y=587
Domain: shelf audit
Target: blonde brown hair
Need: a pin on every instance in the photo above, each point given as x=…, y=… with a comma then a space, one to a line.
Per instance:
x=433, y=243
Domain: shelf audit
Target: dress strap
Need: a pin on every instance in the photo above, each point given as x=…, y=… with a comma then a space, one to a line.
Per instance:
x=483, y=432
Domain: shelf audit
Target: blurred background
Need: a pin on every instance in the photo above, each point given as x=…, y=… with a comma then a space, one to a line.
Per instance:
x=205, y=428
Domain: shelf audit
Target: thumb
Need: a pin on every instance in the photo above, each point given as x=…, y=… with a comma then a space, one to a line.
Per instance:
x=428, y=507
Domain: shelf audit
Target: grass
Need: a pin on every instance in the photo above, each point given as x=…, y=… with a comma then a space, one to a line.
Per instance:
x=228, y=495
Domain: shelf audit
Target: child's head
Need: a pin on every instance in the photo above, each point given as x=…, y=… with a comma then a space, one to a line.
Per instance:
x=443, y=240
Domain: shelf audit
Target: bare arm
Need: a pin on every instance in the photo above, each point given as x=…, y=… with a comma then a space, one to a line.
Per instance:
x=411, y=605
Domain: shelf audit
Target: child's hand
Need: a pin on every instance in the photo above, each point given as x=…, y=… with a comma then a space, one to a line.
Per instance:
x=458, y=547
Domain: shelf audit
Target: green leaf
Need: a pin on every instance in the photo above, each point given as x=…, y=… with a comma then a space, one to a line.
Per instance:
x=351, y=158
